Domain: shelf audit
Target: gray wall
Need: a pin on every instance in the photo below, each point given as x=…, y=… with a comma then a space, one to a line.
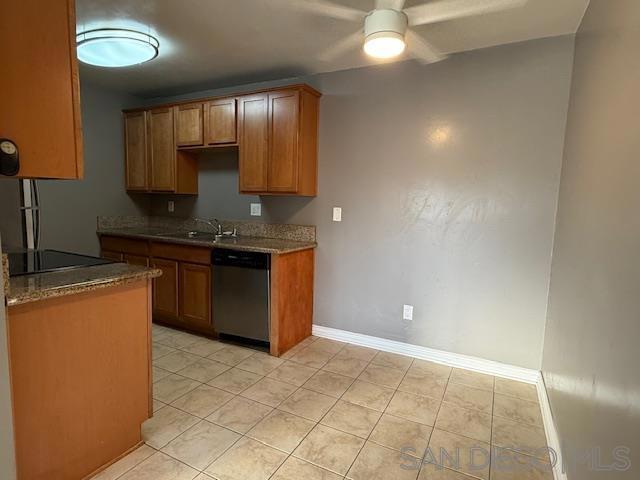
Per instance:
x=591, y=354
x=448, y=177
x=69, y=208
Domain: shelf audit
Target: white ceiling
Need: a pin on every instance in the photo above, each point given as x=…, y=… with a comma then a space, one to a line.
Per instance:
x=216, y=43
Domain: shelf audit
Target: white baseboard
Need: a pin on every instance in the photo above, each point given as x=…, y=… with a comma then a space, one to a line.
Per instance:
x=467, y=362
x=424, y=353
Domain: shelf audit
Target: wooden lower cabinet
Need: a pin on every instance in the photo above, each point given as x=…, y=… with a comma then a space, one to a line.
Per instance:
x=165, y=290
x=136, y=260
x=109, y=255
x=194, y=297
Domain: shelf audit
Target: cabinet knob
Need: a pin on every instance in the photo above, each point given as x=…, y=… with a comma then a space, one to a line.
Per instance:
x=9, y=158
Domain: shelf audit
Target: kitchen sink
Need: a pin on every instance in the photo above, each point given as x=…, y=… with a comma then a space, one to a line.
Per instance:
x=189, y=235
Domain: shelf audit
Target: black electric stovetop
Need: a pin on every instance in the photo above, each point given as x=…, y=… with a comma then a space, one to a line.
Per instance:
x=39, y=261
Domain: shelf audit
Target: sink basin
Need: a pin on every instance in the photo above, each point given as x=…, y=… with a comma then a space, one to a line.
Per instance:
x=193, y=234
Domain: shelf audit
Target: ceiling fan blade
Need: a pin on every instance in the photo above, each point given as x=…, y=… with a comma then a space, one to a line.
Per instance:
x=325, y=8
x=343, y=46
x=442, y=10
x=422, y=50
x=390, y=4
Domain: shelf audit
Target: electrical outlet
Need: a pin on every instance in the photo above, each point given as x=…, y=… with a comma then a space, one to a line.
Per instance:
x=337, y=214
x=256, y=209
x=171, y=207
x=407, y=312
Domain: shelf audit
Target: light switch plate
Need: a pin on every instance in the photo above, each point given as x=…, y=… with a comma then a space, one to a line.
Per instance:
x=171, y=207
x=407, y=312
x=256, y=209
x=337, y=214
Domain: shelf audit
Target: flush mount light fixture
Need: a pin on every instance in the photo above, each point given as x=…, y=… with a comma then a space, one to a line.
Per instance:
x=384, y=33
x=116, y=47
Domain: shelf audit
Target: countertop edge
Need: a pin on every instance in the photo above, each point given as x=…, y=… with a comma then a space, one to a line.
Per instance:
x=202, y=243
x=81, y=287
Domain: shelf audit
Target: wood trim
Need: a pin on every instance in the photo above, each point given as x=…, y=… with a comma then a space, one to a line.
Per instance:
x=292, y=276
x=75, y=90
x=295, y=86
x=124, y=245
x=118, y=458
x=183, y=253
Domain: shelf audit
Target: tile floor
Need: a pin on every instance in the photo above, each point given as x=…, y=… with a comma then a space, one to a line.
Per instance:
x=327, y=411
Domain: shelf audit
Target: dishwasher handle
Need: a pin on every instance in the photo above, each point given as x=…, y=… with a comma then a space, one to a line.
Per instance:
x=233, y=258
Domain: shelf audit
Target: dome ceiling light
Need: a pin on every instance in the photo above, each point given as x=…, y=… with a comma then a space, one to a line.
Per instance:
x=116, y=47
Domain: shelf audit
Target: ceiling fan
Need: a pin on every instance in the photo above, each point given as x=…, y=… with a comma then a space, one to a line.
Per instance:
x=387, y=29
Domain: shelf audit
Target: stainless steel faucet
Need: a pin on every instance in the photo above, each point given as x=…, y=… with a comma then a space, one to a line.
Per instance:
x=215, y=224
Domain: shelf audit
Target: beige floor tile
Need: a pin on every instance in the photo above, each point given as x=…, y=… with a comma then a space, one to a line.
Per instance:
x=203, y=370
x=204, y=476
x=508, y=465
x=177, y=339
x=260, y=363
x=430, y=471
x=470, y=423
x=414, y=407
x=351, y=418
x=234, y=380
x=344, y=365
x=385, y=376
x=292, y=351
x=525, y=391
x=157, y=405
x=431, y=368
x=239, y=414
x=517, y=410
x=421, y=383
x=202, y=401
x=356, y=351
x=176, y=361
x=308, y=404
x=459, y=453
x=158, y=351
x=172, y=387
x=204, y=348
x=125, y=464
x=201, y=444
x=392, y=360
x=160, y=467
x=329, y=383
x=469, y=397
x=159, y=374
x=368, y=395
x=295, y=469
x=308, y=341
x=293, y=373
x=519, y=436
x=269, y=392
x=281, y=430
x=166, y=425
x=379, y=463
x=326, y=345
x=312, y=358
x=231, y=355
x=247, y=460
x=402, y=435
x=330, y=449
x=472, y=379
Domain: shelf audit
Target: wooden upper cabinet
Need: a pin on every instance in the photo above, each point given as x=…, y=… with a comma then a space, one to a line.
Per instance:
x=253, y=145
x=135, y=133
x=284, y=125
x=39, y=88
x=189, y=125
x=221, y=122
x=162, y=150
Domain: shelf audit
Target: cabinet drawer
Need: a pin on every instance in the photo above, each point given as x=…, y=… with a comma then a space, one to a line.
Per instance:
x=185, y=253
x=124, y=245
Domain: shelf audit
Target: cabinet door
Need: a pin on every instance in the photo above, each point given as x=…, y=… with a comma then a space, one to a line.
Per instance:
x=136, y=260
x=162, y=150
x=253, y=145
x=135, y=150
x=39, y=89
x=195, y=294
x=189, y=125
x=221, y=121
x=283, y=141
x=109, y=255
x=165, y=289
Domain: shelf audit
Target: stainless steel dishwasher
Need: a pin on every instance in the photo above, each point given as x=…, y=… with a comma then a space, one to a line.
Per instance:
x=240, y=293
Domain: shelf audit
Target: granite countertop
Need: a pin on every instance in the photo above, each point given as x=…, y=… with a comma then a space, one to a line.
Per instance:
x=40, y=286
x=243, y=243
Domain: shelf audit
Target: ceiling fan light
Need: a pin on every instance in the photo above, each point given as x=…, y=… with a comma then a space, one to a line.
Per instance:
x=116, y=47
x=384, y=44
